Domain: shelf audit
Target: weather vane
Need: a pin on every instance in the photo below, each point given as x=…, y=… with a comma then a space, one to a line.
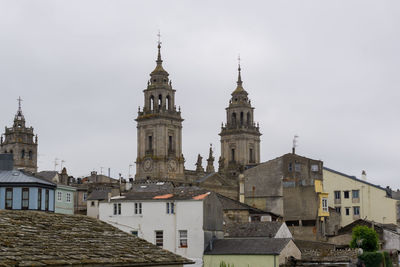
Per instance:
x=239, y=59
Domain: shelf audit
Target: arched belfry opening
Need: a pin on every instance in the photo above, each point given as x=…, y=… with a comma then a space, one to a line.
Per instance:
x=159, y=101
x=168, y=102
x=151, y=102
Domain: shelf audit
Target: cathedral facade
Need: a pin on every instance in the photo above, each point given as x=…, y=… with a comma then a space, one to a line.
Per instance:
x=159, y=138
x=20, y=141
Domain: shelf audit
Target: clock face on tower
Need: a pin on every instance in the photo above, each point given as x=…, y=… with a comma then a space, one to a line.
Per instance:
x=172, y=165
x=147, y=165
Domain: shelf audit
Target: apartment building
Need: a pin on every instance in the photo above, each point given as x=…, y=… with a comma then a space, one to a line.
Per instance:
x=357, y=199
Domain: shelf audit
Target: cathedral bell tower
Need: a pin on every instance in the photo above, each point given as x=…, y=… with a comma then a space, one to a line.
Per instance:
x=159, y=130
x=20, y=141
x=240, y=137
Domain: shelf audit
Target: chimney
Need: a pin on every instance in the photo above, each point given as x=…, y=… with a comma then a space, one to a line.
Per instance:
x=363, y=175
x=6, y=162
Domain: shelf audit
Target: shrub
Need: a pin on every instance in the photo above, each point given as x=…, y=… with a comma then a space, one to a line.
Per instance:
x=366, y=237
x=371, y=259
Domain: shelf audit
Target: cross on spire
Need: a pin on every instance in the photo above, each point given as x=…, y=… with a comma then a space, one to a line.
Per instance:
x=159, y=38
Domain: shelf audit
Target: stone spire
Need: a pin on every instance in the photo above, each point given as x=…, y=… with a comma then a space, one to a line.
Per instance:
x=239, y=87
x=210, y=161
x=19, y=119
x=159, y=70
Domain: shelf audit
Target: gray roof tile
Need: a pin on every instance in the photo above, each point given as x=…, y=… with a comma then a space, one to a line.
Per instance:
x=18, y=177
x=247, y=246
x=252, y=229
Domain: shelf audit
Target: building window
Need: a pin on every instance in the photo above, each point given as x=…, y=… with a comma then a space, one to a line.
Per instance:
x=22, y=154
x=138, y=208
x=183, y=239
x=68, y=197
x=337, y=194
x=9, y=198
x=46, y=200
x=170, y=208
x=347, y=211
x=159, y=238
x=233, y=154
x=25, y=198
x=30, y=155
x=92, y=204
x=356, y=210
x=356, y=193
x=325, y=204
x=290, y=167
x=170, y=143
x=346, y=194
x=84, y=197
x=135, y=233
x=314, y=168
x=338, y=209
x=251, y=155
x=297, y=167
x=39, y=199
x=117, y=208
x=150, y=144
x=59, y=196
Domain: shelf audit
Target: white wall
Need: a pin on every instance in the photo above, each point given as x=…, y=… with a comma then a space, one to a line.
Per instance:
x=93, y=211
x=188, y=216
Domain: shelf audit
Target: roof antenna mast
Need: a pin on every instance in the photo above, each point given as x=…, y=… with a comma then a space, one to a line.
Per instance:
x=294, y=143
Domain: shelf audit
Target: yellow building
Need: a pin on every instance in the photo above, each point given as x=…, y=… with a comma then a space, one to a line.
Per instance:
x=354, y=198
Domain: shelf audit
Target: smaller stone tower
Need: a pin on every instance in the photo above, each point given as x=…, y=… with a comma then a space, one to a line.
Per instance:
x=240, y=136
x=20, y=141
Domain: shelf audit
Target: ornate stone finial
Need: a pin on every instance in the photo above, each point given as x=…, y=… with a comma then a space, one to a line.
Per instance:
x=199, y=163
x=210, y=161
x=1, y=139
x=36, y=139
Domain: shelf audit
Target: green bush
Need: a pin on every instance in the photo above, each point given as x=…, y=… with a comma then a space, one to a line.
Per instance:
x=365, y=238
x=371, y=259
x=387, y=259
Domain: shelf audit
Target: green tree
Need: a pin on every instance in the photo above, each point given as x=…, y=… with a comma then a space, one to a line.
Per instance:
x=365, y=238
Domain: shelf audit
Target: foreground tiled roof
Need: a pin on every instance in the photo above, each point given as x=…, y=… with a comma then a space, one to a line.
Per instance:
x=247, y=246
x=31, y=238
x=252, y=229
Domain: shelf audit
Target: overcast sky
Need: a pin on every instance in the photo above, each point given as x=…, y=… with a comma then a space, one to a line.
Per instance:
x=327, y=71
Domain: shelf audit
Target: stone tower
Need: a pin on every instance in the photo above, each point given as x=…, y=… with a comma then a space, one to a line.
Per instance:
x=159, y=130
x=20, y=141
x=240, y=137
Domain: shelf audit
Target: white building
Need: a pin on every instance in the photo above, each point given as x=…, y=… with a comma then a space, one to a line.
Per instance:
x=182, y=220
